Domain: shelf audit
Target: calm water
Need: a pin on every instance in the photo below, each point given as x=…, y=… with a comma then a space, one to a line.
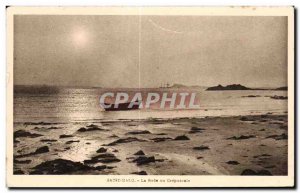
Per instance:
x=81, y=104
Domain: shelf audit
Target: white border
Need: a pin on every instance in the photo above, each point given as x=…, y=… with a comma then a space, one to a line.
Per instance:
x=195, y=181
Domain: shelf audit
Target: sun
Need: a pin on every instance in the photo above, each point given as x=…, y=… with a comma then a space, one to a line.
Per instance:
x=80, y=37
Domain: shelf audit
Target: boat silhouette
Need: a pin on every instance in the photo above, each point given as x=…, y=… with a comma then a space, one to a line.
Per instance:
x=121, y=106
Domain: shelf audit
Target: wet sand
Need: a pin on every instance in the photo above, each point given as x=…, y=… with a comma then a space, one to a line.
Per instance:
x=241, y=145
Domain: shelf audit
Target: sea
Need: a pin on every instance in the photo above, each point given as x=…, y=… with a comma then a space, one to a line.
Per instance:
x=74, y=104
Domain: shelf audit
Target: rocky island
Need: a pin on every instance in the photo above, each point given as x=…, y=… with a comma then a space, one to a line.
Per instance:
x=228, y=87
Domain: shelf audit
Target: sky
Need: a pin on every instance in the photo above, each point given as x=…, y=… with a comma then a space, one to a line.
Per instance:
x=147, y=51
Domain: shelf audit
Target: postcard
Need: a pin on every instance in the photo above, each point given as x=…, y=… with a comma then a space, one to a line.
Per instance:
x=178, y=97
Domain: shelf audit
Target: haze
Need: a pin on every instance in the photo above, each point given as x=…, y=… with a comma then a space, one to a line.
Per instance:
x=147, y=51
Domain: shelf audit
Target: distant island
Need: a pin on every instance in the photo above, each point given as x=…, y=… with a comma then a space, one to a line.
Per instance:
x=240, y=87
x=184, y=86
x=228, y=87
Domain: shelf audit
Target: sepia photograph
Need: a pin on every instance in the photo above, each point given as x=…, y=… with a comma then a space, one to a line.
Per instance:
x=147, y=97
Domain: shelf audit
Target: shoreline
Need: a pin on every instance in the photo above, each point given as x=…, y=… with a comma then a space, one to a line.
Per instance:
x=147, y=119
x=235, y=145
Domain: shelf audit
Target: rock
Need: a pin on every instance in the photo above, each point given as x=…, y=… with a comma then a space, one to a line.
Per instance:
x=161, y=134
x=264, y=173
x=18, y=172
x=269, y=167
x=233, y=163
x=48, y=140
x=39, y=123
x=247, y=119
x=141, y=160
x=90, y=128
x=62, y=166
x=16, y=141
x=72, y=141
x=182, y=137
x=22, y=133
x=140, y=173
x=82, y=129
x=262, y=155
x=39, y=150
x=140, y=152
x=284, y=127
x=249, y=172
x=279, y=97
x=252, y=96
x=101, y=150
x=200, y=157
x=53, y=128
x=196, y=130
x=263, y=116
x=228, y=87
x=93, y=126
x=138, y=132
x=282, y=88
x=242, y=137
x=102, y=158
x=160, y=139
x=22, y=161
x=283, y=136
x=201, y=148
x=113, y=136
x=125, y=140
x=65, y=136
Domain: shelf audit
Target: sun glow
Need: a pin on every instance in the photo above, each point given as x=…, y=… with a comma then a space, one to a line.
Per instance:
x=80, y=38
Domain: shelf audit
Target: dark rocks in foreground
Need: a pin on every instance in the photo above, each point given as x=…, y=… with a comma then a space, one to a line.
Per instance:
x=101, y=150
x=18, y=172
x=242, y=137
x=22, y=133
x=247, y=119
x=140, y=173
x=182, y=137
x=161, y=139
x=140, y=152
x=249, y=172
x=282, y=88
x=39, y=150
x=283, y=136
x=65, y=136
x=279, y=97
x=62, y=166
x=72, y=141
x=196, y=130
x=201, y=148
x=102, y=158
x=39, y=123
x=125, y=140
x=228, y=87
x=91, y=127
x=233, y=162
x=22, y=161
x=251, y=96
x=141, y=160
x=48, y=140
x=138, y=132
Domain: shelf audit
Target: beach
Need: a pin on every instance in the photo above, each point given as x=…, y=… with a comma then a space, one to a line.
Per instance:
x=216, y=145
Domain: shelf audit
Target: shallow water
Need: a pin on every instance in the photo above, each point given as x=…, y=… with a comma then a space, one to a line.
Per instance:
x=61, y=104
